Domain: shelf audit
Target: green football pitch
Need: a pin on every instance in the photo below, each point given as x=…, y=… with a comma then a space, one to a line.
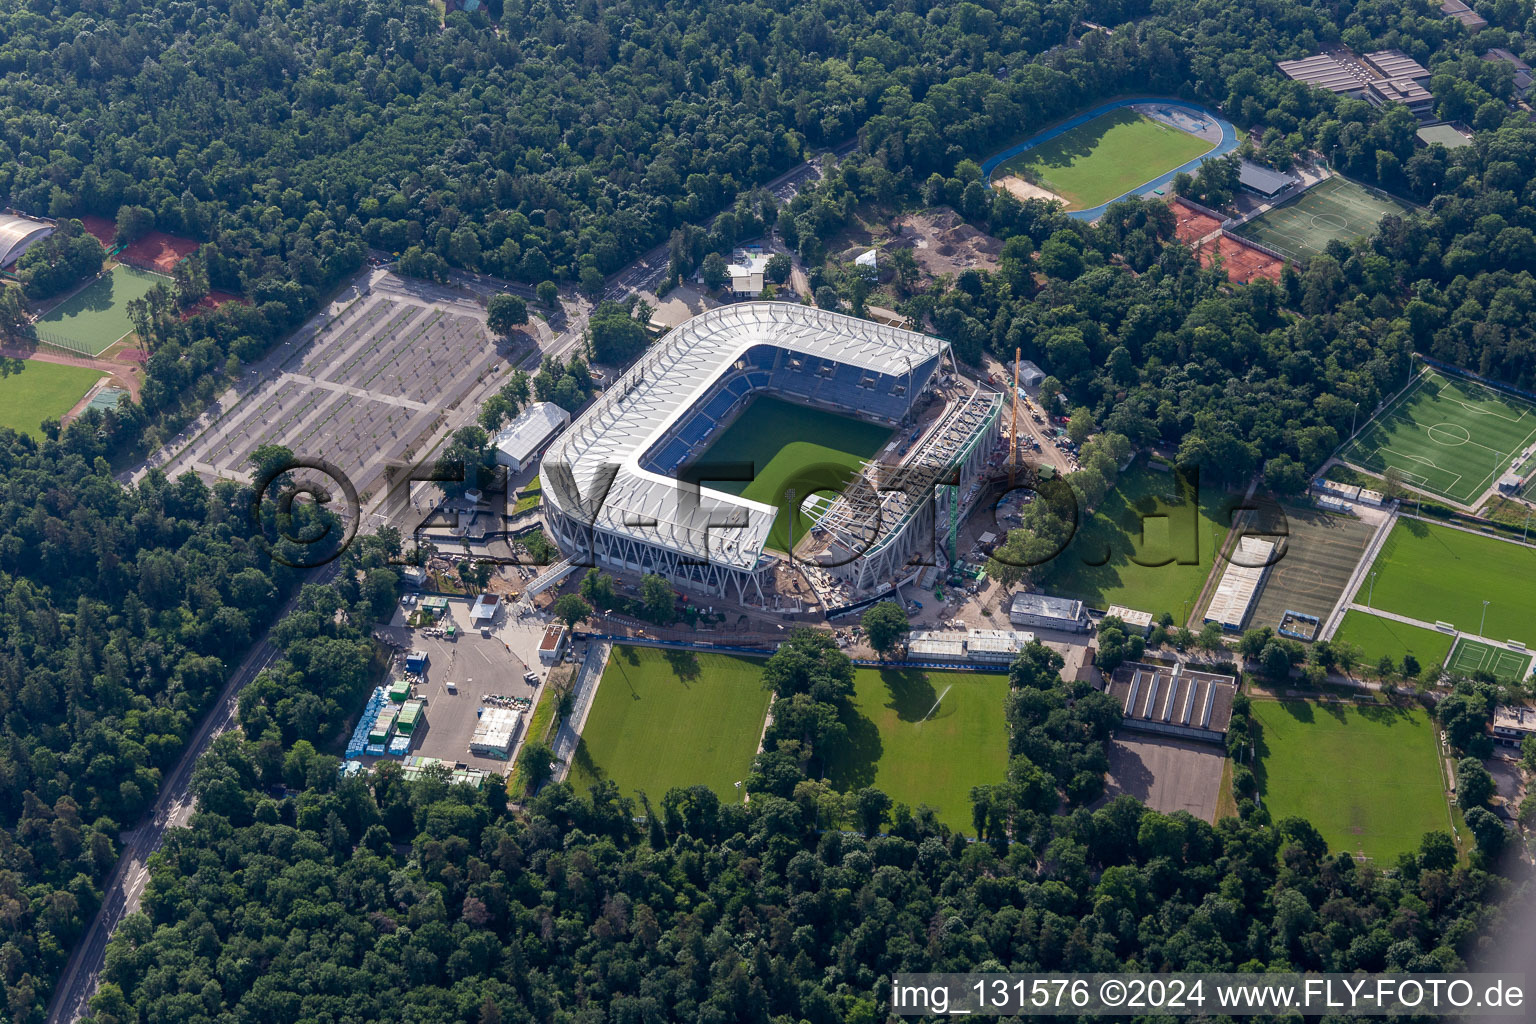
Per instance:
x=40, y=390
x=1376, y=636
x=1446, y=435
x=791, y=446
x=1333, y=209
x=1143, y=547
x=916, y=753
x=1104, y=158
x=1474, y=656
x=1438, y=574
x=667, y=718
x=96, y=317
x=1367, y=776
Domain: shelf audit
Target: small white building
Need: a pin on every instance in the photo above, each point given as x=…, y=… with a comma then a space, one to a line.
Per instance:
x=747, y=274
x=484, y=611
x=553, y=644
x=518, y=444
x=1135, y=621
x=495, y=730
x=1512, y=724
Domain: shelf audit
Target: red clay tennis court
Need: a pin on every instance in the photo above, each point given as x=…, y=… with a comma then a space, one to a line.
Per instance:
x=1243, y=262
x=155, y=251
x=1192, y=225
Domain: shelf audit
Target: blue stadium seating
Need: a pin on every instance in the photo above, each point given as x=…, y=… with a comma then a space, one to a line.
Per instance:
x=720, y=406
x=670, y=457
x=695, y=430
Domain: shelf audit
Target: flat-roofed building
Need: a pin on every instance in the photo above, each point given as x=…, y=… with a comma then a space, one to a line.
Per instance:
x=1396, y=64
x=1136, y=621
x=1240, y=583
x=517, y=445
x=1174, y=701
x=1263, y=180
x=1473, y=21
x=936, y=645
x=996, y=645
x=1325, y=72
x=1402, y=90
x=553, y=643
x=1043, y=611
x=1523, y=77
x=1512, y=724
x=495, y=731
x=484, y=611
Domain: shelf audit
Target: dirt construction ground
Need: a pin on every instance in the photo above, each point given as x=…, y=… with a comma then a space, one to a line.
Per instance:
x=944, y=244
x=1027, y=190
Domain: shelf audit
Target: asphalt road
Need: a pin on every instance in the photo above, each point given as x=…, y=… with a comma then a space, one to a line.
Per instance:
x=173, y=809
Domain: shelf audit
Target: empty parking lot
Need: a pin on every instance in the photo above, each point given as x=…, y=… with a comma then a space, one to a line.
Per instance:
x=376, y=385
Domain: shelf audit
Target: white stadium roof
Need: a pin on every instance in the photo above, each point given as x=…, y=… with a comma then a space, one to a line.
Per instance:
x=17, y=234
x=610, y=438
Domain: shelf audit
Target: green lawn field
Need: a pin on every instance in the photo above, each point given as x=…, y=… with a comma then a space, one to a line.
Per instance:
x=934, y=761
x=1104, y=158
x=1333, y=209
x=1113, y=558
x=93, y=318
x=673, y=718
x=792, y=446
x=1376, y=636
x=1438, y=574
x=40, y=390
x=1366, y=776
x=1446, y=435
x=1472, y=656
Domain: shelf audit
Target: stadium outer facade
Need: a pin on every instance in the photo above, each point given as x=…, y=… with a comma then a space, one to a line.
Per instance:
x=610, y=481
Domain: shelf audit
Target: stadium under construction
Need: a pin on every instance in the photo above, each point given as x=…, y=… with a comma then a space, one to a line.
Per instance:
x=613, y=497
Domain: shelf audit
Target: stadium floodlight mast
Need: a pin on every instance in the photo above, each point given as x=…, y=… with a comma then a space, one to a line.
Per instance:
x=1372, y=592
x=1484, y=620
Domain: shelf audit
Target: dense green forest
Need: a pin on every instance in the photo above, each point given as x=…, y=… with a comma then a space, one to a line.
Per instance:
x=381, y=900
x=547, y=141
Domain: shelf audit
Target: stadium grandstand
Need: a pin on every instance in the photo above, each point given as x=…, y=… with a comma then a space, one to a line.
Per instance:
x=611, y=484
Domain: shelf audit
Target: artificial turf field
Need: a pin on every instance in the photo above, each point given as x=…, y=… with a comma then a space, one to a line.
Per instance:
x=1097, y=565
x=1333, y=209
x=1366, y=775
x=1102, y=159
x=1438, y=574
x=792, y=446
x=1446, y=435
x=895, y=746
x=1474, y=656
x=40, y=390
x=1321, y=552
x=94, y=318
x=673, y=718
x=1375, y=636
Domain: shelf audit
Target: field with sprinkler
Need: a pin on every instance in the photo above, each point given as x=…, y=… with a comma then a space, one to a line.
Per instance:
x=1446, y=435
x=39, y=391
x=1143, y=547
x=1366, y=775
x=1376, y=637
x=673, y=718
x=792, y=446
x=1438, y=574
x=1335, y=209
x=1103, y=158
x=925, y=737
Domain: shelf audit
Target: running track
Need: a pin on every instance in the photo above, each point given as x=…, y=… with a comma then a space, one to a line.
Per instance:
x=1229, y=142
